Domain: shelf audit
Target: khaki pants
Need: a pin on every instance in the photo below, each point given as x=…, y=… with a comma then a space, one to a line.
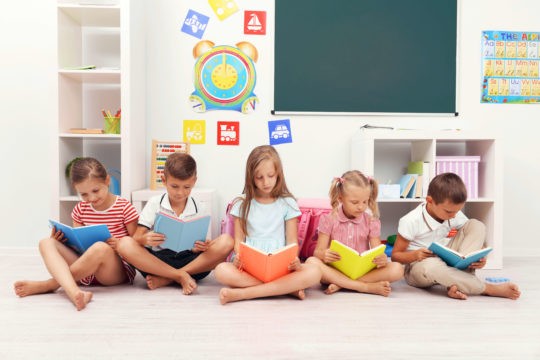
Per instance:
x=432, y=271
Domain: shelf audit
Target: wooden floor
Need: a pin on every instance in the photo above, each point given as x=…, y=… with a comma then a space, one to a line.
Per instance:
x=131, y=322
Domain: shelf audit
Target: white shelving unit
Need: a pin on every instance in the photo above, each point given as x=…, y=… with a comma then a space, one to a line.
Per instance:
x=110, y=37
x=386, y=153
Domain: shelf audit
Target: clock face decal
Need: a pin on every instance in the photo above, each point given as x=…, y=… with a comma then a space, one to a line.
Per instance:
x=224, y=77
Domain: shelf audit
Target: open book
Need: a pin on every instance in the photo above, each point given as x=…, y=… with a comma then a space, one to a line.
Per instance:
x=82, y=237
x=353, y=264
x=267, y=266
x=455, y=259
x=181, y=234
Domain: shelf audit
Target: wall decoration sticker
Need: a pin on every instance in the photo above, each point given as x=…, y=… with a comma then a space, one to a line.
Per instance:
x=254, y=22
x=279, y=131
x=223, y=8
x=195, y=24
x=224, y=77
x=510, y=67
x=195, y=131
x=228, y=133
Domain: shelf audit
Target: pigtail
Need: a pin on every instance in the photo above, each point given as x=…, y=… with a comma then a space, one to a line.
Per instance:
x=372, y=203
x=335, y=191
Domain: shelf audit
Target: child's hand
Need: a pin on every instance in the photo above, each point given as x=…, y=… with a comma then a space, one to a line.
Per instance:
x=330, y=256
x=58, y=235
x=237, y=262
x=113, y=242
x=295, y=265
x=381, y=260
x=202, y=246
x=423, y=253
x=479, y=264
x=153, y=238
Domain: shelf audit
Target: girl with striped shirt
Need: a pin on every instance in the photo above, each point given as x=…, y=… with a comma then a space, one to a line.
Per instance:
x=354, y=221
x=99, y=264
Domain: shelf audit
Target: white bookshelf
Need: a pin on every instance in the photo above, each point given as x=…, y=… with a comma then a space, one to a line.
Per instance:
x=108, y=36
x=386, y=153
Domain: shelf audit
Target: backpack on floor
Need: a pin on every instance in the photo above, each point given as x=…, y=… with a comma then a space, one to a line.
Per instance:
x=227, y=224
x=311, y=210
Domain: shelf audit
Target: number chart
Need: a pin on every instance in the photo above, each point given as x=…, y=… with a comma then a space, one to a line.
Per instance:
x=510, y=67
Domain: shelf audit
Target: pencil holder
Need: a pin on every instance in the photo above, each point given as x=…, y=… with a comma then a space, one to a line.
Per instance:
x=112, y=125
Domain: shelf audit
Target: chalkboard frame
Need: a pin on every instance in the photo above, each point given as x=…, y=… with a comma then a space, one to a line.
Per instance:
x=366, y=57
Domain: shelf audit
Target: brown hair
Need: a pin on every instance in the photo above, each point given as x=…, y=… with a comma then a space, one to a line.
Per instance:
x=85, y=168
x=180, y=166
x=356, y=178
x=447, y=186
x=258, y=155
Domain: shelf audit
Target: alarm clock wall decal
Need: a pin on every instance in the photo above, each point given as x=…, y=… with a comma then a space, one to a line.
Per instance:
x=224, y=77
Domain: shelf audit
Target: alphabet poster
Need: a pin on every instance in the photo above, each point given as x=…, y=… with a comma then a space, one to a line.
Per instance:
x=510, y=67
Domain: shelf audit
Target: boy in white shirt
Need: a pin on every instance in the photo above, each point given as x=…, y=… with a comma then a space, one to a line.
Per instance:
x=440, y=220
x=159, y=266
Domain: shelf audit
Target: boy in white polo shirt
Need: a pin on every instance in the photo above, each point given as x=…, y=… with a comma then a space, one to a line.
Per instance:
x=159, y=266
x=440, y=220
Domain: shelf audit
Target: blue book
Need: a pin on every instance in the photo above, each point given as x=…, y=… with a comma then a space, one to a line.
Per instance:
x=407, y=185
x=455, y=259
x=82, y=237
x=181, y=234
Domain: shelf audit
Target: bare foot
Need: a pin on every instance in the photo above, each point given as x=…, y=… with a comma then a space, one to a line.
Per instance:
x=300, y=294
x=227, y=295
x=80, y=299
x=332, y=288
x=187, y=282
x=153, y=282
x=378, y=288
x=454, y=293
x=506, y=290
x=26, y=287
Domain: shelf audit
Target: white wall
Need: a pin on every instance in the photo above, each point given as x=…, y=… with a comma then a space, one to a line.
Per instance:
x=28, y=114
x=310, y=161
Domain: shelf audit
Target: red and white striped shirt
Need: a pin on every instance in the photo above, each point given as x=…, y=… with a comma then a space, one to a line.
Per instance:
x=116, y=217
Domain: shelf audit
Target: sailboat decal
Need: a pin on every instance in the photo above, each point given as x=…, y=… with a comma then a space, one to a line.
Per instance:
x=254, y=24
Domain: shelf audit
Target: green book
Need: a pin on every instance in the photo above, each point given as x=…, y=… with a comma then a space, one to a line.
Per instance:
x=415, y=167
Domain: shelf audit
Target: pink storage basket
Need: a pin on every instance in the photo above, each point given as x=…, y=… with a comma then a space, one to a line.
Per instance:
x=464, y=166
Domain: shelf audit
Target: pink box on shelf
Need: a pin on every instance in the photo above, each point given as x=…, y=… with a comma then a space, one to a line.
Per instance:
x=464, y=166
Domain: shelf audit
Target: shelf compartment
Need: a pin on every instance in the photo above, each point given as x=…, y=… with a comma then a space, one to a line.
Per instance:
x=106, y=150
x=92, y=15
x=96, y=76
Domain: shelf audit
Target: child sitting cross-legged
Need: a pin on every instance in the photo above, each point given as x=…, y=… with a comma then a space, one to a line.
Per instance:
x=354, y=222
x=440, y=220
x=161, y=266
x=266, y=217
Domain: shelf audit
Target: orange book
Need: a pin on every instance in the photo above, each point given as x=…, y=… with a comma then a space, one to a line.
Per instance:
x=267, y=266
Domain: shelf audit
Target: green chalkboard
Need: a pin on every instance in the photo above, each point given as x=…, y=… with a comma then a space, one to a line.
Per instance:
x=365, y=56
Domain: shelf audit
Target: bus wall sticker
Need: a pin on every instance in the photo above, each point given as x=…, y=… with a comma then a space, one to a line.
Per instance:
x=224, y=77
